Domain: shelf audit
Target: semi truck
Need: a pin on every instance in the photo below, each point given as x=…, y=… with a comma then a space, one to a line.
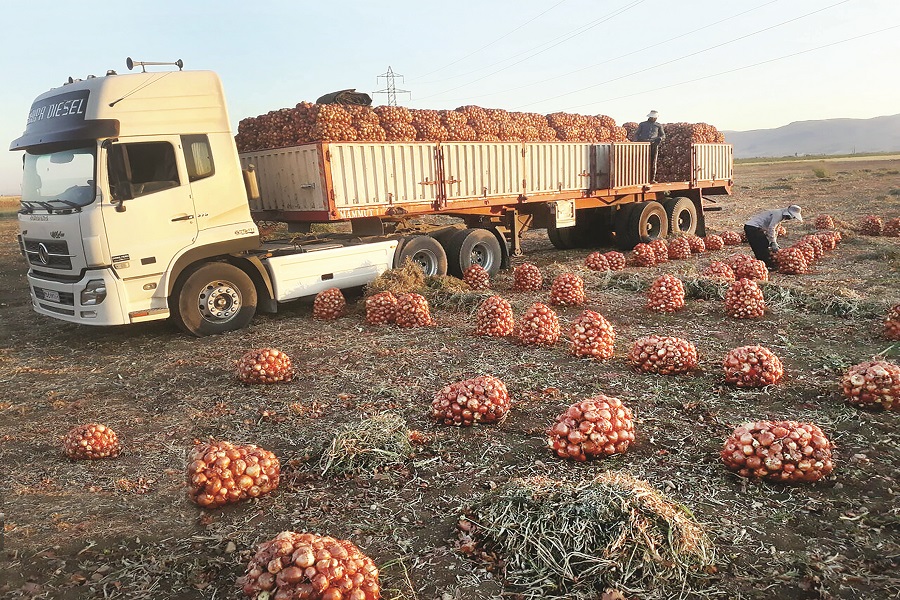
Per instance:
x=137, y=206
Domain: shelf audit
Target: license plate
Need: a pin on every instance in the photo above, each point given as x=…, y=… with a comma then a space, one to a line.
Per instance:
x=51, y=295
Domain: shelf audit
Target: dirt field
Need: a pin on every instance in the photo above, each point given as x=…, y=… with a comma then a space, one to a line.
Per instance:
x=124, y=528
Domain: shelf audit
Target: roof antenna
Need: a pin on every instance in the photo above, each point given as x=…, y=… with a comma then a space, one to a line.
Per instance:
x=131, y=64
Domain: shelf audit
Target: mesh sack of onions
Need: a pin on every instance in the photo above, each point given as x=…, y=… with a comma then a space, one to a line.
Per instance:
x=333, y=124
x=664, y=355
x=753, y=269
x=642, y=255
x=596, y=427
x=366, y=123
x=567, y=290
x=265, y=365
x=892, y=323
x=381, y=308
x=592, y=335
x=666, y=294
x=785, y=451
x=744, y=300
x=538, y=326
x=527, y=278
x=719, y=271
x=413, y=311
x=90, y=442
x=809, y=253
x=872, y=225
x=679, y=248
x=427, y=124
x=873, y=383
x=295, y=566
x=660, y=250
x=892, y=228
x=828, y=240
x=752, y=366
x=483, y=399
x=731, y=238
x=713, y=242
x=791, y=261
x=616, y=260
x=329, y=304
x=733, y=260
x=596, y=261
x=824, y=222
x=477, y=277
x=221, y=473
x=698, y=246
x=494, y=318
x=816, y=243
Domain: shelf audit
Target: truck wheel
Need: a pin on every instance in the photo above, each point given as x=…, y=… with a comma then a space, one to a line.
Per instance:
x=425, y=252
x=213, y=298
x=474, y=247
x=601, y=227
x=643, y=222
x=682, y=215
x=562, y=238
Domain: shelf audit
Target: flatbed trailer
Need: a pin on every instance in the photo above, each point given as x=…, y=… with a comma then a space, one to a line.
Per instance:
x=513, y=185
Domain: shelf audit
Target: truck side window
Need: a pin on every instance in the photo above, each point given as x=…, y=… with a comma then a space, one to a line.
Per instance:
x=198, y=157
x=141, y=168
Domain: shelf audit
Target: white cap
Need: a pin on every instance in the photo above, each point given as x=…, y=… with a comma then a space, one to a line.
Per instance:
x=794, y=211
x=653, y=114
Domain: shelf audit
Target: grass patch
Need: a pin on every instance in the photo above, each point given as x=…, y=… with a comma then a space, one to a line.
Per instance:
x=370, y=446
x=894, y=192
x=820, y=173
x=782, y=186
x=568, y=539
x=441, y=291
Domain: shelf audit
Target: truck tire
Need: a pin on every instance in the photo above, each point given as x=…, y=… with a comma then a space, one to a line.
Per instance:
x=562, y=238
x=213, y=298
x=601, y=227
x=682, y=215
x=640, y=222
x=474, y=247
x=423, y=251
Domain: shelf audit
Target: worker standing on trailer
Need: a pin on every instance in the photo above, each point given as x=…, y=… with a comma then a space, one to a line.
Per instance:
x=653, y=132
x=762, y=231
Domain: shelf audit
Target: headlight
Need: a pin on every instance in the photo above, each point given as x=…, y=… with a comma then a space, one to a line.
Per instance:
x=93, y=293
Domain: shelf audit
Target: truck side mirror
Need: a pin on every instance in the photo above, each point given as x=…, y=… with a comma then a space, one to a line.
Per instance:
x=117, y=175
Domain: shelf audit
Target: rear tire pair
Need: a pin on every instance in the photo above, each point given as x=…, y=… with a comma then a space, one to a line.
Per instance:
x=452, y=252
x=648, y=221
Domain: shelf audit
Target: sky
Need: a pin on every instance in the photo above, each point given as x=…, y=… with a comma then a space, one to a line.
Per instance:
x=738, y=65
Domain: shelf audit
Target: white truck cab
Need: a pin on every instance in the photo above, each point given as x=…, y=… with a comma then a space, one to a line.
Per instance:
x=134, y=208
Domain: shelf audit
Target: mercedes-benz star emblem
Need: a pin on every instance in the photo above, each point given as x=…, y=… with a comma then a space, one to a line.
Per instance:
x=43, y=254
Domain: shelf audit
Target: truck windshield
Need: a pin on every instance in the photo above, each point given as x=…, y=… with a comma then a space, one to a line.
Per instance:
x=59, y=179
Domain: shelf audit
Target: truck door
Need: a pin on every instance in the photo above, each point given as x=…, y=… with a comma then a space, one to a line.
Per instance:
x=150, y=217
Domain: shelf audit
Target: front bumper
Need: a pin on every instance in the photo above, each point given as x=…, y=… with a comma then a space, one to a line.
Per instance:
x=62, y=300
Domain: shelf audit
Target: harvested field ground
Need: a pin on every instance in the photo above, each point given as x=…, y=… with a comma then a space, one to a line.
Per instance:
x=124, y=528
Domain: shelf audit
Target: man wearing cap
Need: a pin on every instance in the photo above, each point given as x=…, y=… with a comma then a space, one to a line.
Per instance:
x=653, y=132
x=762, y=234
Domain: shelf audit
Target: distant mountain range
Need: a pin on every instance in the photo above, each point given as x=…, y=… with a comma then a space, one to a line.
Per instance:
x=829, y=136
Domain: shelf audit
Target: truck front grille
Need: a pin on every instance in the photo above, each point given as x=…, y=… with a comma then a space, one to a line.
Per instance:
x=52, y=254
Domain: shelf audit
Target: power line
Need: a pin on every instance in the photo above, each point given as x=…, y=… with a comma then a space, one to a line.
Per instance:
x=736, y=69
x=621, y=56
x=474, y=52
x=565, y=39
x=668, y=62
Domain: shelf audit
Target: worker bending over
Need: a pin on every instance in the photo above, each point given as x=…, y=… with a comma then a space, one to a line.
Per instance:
x=762, y=234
